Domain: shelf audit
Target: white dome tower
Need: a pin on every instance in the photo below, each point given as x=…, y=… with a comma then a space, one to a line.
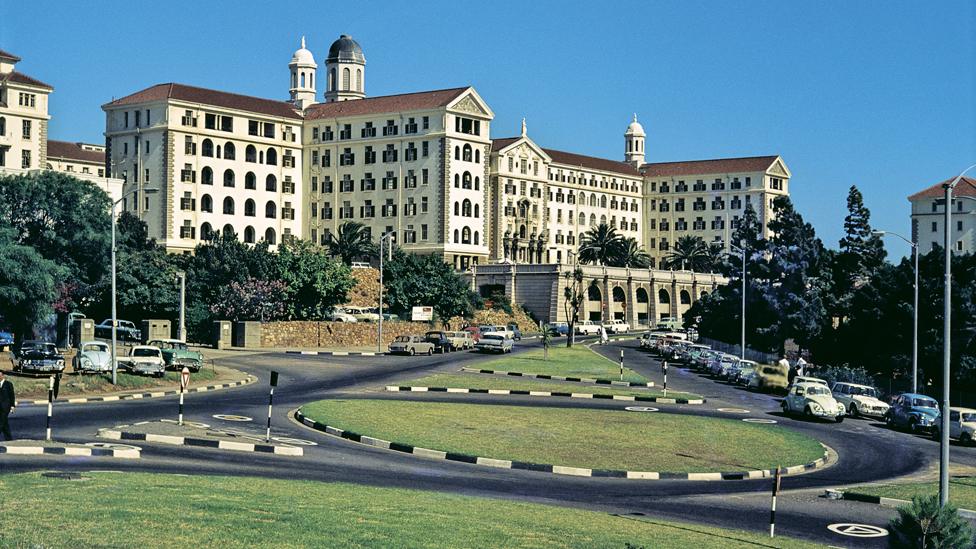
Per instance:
x=302, y=68
x=346, y=70
x=634, y=142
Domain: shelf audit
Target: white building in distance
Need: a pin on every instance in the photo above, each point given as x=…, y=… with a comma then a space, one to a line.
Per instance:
x=928, y=217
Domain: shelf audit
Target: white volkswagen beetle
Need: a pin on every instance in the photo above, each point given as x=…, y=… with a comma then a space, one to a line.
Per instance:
x=813, y=400
x=860, y=400
x=93, y=357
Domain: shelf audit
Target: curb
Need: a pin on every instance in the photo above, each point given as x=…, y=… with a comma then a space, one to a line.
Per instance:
x=554, y=469
x=138, y=396
x=335, y=353
x=659, y=400
x=562, y=378
x=888, y=502
x=73, y=451
x=201, y=442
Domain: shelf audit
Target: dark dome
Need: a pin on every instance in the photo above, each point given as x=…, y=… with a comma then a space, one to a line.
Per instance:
x=347, y=50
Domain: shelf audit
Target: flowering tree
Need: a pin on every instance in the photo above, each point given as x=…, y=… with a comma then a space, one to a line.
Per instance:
x=252, y=299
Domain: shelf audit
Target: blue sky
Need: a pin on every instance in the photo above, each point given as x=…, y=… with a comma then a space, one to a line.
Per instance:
x=877, y=94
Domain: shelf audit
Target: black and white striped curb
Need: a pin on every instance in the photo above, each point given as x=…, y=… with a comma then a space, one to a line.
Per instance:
x=562, y=378
x=628, y=398
x=335, y=353
x=548, y=468
x=118, y=434
x=73, y=451
x=138, y=396
x=886, y=502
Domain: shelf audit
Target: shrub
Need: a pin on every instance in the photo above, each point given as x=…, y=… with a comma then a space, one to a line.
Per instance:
x=924, y=524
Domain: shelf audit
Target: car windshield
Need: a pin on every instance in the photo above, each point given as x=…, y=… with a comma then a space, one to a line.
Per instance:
x=145, y=352
x=924, y=403
x=95, y=349
x=969, y=417
x=864, y=391
x=403, y=339
x=817, y=390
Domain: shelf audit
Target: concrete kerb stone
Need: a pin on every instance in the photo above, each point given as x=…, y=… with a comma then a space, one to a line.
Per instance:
x=853, y=495
x=335, y=353
x=72, y=451
x=281, y=450
x=555, y=469
x=138, y=396
x=597, y=381
x=520, y=392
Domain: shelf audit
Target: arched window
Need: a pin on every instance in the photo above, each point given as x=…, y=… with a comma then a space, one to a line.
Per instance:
x=260, y=157
x=293, y=82
x=466, y=235
x=593, y=200
x=270, y=210
x=592, y=219
x=685, y=297
x=476, y=240
x=3, y=126
x=457, y=208
x=206, y=204
x=250, y=181
x=522, y=232
x=345, y=79
x=249, y=234
x=228, y=178
x=229, y=151
x=250, y=210
x=603, y=220
x=272, y=157
x=593, y=293
x=466, y=180
x=603, y=201
x=477, y=155
x=477, y=183
x=457, y=181
x=642, y=296
x=250, y=154
x=206, y=232
x=457, y=152
x=228, y=206
x=269, y=236
x=303, y=79
x=311, y=78
x=466, y=208
x=523, y=209
x=332, y=80
x=206, y=148
x=457, y=239
x=582, y=219
x=359, y=79
x=663, y=297
x=618, y=295
x=206, y=176
x=271, y=183
x=466, y=153
x=228, y=231
x=582, y=198
x=477, y=210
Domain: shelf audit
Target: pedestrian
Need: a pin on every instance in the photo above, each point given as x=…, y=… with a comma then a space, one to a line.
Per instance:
x=7, y=405
x=801, y=366
x=604, y=339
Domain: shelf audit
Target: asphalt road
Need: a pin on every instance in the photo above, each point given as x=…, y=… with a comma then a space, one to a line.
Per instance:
x=867, y=450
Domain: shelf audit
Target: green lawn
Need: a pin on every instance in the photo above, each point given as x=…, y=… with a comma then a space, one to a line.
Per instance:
x=485, y=381
x=596, y=439
x=149, y=510
x=962, y=491
x=79, y=385
x=576, y=361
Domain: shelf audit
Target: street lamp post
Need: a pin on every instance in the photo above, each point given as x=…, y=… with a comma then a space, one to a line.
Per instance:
x=742, y=250
x=946, y=358
x=181, y=327
x=914, y=246
x=115, y=362
x=379, y=332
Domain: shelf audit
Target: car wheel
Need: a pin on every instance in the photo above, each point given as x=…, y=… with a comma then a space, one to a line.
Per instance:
x=889, y=421
x=808, y=412
x=965, y=439
x=413, y=352
x=430, y=351
x=913, y=426
x=937, y=435
x=853, y=411
x=839, y=419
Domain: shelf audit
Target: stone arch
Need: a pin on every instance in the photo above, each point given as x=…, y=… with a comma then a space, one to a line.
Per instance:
x=594, y=303
x=642, y=306
x=619, y=297
x=685, y=297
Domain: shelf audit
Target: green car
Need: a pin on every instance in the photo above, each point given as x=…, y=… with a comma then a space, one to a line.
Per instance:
x=177, y=355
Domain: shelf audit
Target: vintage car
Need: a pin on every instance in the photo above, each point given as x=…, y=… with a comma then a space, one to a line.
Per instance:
x=808, y=379
x=93, y=357
x=616, y=326
x=440, y=341
x=475, y=333
x=6, y=340
x=913, y=411
x=38, y=357
x=815, y=401
x=587, y=327
x=770, y=377
x=145, y=360
x=338, y=314
x=962, y=426
x=125, y=330
x=860, y=400
x=362, y=314
x=177, y=355
x=743, y=372
x=516, y=333
x=411, y=345
x=461, y=340
x=495, y=343
x=559, y=328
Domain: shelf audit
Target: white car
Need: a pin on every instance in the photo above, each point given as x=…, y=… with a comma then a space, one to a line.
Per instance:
x=494, y=343
x=146, y=360
x=362, y=314
x=616, y=326
x=860, y=400
x=93, y=357
x=587, y=327
x=807, y=379
x=813, y=400
x=962, y=426
x=340, y=315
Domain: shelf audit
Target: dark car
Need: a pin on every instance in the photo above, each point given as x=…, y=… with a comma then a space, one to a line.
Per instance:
x=559, y=328
x=6, y=340
x=38, y=357
x=915, y=412
x=125, y=330
x=515, y=330
x=441, y=341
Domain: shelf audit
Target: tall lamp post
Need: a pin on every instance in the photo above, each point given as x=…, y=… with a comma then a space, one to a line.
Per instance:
x=115, y=362
x=946, y=326
x=914, y=246
x=379, y=332
x=181, y=327
x=741, y=249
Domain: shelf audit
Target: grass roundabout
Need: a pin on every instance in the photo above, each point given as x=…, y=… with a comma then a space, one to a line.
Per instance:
x=593, y=439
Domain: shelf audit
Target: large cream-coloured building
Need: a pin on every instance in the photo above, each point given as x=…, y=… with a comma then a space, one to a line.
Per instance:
x=928, y=217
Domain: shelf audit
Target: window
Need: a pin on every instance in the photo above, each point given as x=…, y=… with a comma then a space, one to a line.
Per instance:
x=390, y=154
x=467, y=126
x=227, y=123
x=206, y=232
x=250, y=210
x=347, y=158
x=423, y=204
x=270, y=210
x=206, y=205
x=269, y=236
x=229, y=150
x=368, y=183
x=958, y=225
x=188, y=230
x=935, y=227
x=424, y=149
x=249, y=235
x=269, y=130
x=26, y=129
x=25, y=159
x=390, y=181
x=426, y=126
x=228, y=178
x=346, y=131
x=271, y=157
x=206, y=176
x=326, y=211
x=410, y=154
x=346, y=185
x=271, y=183
x=228, y=206
x=390, y=128
x=369, y=131
x=410, y=126
x=367, y=210
x=327, y=184
x=207, y=148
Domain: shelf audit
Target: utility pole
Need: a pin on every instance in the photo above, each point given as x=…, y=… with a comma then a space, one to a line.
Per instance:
x=181, y=327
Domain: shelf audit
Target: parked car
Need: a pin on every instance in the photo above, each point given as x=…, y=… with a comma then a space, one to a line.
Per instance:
x=411, y=345
x=6, y=340
x=616, y=326
x=390, y=317
x=860, y=400
x=38, y=357
x=962, y=426
x=93, y=357
x=808, y=379
x=145, y=360
x=813, y=400
x=362, y=314
x=770, y=377
x=475, y=333
x=440, y=341
x=340, y=315
x=744, y=370
x=587, y=327
x=461, y=340
x=669, y=323
x=516, y=333
x=912, y=411
x=125, y=330
x=499, y=329
x=495, y=343
x=177, y=355
x=559, y=328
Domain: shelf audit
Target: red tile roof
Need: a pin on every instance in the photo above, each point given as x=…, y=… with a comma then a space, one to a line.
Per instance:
x=703, y=167
x=499, y=144
x=8, y=55
x=388, y=103
x=73, y=151
x=22, y=78
x=575, y=160
x=965, y=187
x=206, y=96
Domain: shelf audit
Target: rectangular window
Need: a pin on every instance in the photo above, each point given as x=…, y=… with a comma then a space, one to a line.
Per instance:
x=369, y=155
x=138, y=119
x=390, y=128
x=326, y=158
x=423, y=228
x=345, y=132
x=209, y=121
x=126, y=117
x=347, y=158
x=227, y=123
x=423, y=204
x=368, y=130
x=327, y=134
x=426, y=126
x=425, y=149
x=958, y=225
x=269, y=130
x=252, y=127
x=424, y=176
x=26, y=129
x=327, y=185
x=25, y=159
x=346, y=185
x=188, y=119
x=390, y=154
x=410, y=154
x=410, y=126
x=368, y=183
x=935, y=227
x=390, y=181
x=315, y=158
x=315, y=134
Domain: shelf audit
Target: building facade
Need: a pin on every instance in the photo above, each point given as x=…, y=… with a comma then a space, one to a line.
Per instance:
x=928, y=217
x=23, y=117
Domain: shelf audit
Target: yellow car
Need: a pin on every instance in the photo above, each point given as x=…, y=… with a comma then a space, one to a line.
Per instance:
x=769, y=377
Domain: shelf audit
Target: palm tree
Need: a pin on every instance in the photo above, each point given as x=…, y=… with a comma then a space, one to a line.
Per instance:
x=689, y=253
x=601, y=245
x=632, y=255
x=351, y=242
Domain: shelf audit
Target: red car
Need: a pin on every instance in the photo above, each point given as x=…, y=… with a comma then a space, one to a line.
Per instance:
x=475, y=333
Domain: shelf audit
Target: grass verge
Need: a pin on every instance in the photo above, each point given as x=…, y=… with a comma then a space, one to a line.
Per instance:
x=595, y=439
x=153, y=510
x=962, y=491
x=577, y=361
x=91, y=384
x=479, y=381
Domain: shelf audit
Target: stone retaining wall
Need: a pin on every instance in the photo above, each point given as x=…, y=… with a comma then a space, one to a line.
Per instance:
x=334, y=334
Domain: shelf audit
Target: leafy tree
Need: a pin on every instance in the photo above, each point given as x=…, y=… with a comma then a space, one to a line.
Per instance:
x=351, y=242
x=412, y=280
x=601, y=245
x=314, y=281
x=252, y=299
x=633, y=255
x=924, y=524
x=690, y=253
x=28, y=284
x=574, y=293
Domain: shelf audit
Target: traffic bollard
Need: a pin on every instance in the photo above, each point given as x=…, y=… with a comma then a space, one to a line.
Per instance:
x=665, y=378
x=621, y=364
x=772, y=510
x=274, y=383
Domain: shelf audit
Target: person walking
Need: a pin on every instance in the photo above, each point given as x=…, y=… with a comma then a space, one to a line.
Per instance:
x=604, y=339
x=801, y=366
x=7, y=405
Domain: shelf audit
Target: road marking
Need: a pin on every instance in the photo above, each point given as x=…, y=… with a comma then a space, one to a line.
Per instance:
x=734, y=410
x=298, y=441
x=231, y=417
x=111, y=446
x=858, y=530
x=640, y=409
x=196, y=424
x=760, y=420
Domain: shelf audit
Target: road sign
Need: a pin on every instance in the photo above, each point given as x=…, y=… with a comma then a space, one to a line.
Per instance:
x=184, y=378
x=858, y=530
